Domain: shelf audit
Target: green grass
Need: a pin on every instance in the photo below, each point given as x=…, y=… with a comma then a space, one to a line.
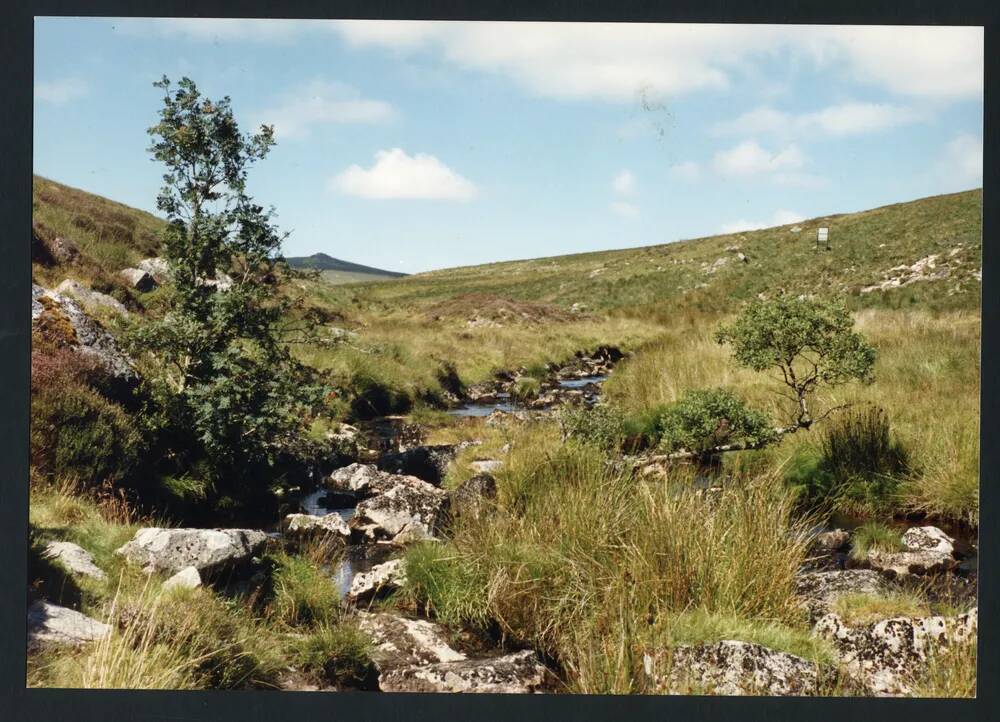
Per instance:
x=584, y=561
x=874, y=536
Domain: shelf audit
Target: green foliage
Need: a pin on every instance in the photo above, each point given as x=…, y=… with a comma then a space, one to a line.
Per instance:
x=603, y=425
x=302, y=591
x=224, y=385
x=334, y=652
x=372, y=396
x=77, y=433
x=706, y=419
x=810, y=342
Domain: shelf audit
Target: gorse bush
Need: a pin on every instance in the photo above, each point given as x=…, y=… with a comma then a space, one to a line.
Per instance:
x=704, y=420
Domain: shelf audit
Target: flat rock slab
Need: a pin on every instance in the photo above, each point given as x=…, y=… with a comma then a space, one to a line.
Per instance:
x=517, y=673
x=399, y=641
x=819, y=590
x=52, y=624
x=363, y=480
x=730, y=668
x=168, y=551
x=884, y=656
x=75, y=558
x=307, y=525
x=380, y=579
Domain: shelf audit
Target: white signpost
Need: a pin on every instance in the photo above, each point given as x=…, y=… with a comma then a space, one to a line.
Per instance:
x=823, y=236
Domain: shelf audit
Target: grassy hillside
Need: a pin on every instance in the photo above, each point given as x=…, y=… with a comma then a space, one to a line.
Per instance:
x=863, y=246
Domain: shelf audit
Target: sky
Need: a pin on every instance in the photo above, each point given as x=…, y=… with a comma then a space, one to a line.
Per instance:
x=415, y=145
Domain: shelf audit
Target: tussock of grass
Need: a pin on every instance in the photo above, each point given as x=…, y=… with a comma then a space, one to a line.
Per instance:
x=580, y=558
x=874, y=536
x=302, y=591
x=334, y=652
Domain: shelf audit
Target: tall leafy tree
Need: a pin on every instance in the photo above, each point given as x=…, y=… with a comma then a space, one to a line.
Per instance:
x=228, y=385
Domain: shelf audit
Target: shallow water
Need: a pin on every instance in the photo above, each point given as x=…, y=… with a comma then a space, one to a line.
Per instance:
x=477, y=410
x=581, y=382
x=313, y=504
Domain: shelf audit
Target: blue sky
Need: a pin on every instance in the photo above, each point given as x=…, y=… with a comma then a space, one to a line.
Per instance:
x=420, y=145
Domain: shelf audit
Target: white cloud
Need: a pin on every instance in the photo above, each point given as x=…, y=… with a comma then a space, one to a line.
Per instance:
x=320, y=102
x=962, y=162
x=689, y=170
x=780, y=218
x=613, y=62
x=749, y=158
x=624, y=183
x=625, y=210
x=223, y=29
x=398, y=175
x=60, y=92
x=835, y=120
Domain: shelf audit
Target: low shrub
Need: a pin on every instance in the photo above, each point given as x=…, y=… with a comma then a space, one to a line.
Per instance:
x=77, y=433
x=707, y=418
x=602, y=425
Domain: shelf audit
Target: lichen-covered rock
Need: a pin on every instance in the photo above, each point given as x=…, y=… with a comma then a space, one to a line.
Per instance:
x=409, y=510
x=380, y=579
x=139, y=279
x=89, y=298
x=210, y=551
x=186, y=578
x=308, y=525
x=52, y=624
x=75, y=558
x=928, y=538
x=884, y=657
x=819, y=590
x=157, y=267
x=52, y=312
x=474, y=496
x=485, y=466
x=398, y=641
x=730, y=667
x=905, y=563
x=361, y=479
x=518, y=673
x=829, y=542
